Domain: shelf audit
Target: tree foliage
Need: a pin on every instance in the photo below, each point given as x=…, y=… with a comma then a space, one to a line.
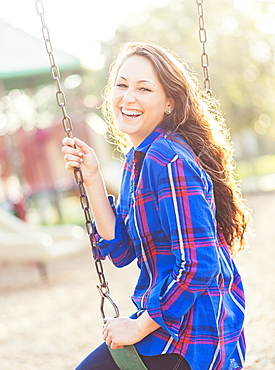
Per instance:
x=240, y=40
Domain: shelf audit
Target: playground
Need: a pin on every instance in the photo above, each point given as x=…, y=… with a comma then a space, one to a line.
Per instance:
x=53, y=324
x=49, y=304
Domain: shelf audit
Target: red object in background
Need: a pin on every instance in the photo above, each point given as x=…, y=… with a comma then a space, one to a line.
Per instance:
x=35, y=166
x=19, y=208
x=5, y=169
x=35, y=159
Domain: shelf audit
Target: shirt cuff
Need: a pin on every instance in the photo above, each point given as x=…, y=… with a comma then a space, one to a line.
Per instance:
x=120, y=249
x=155, y=311
x=107, y=246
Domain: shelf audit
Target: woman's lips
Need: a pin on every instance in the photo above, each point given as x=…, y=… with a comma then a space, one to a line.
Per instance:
x=131, y=113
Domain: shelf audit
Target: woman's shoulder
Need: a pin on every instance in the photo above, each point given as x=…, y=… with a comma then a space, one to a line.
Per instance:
x=172, y=152
x=168, y=148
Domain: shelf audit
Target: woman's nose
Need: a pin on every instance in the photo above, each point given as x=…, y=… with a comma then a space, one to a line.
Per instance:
x=129, y=96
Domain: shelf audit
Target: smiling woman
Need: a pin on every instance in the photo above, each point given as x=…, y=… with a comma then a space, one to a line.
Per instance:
x=179, y=214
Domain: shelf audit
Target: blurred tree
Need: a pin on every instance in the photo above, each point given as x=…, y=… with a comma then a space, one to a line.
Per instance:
x=241, y=43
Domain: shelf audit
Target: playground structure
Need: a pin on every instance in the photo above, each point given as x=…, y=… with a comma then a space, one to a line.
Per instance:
x=21, y=242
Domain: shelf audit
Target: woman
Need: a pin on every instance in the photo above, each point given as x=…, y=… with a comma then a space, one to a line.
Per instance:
x=179, y=213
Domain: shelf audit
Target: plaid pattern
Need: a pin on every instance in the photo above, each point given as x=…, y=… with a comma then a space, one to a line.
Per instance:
x=188, y=282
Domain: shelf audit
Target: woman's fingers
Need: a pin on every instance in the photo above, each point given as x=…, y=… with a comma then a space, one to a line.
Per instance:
x=71, y=151
x=82, y=146
x=76, y=147
x=68, y=141
x=71, y=165
x=119, y=332
x=106, y=336
x=73, y=156
x=104, y=332
x=72, y=161
x=79, y=154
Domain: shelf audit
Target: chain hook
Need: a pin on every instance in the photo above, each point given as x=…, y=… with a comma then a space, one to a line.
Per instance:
x=104, y=293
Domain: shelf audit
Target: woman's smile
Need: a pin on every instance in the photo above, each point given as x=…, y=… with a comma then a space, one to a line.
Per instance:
x=130, y=113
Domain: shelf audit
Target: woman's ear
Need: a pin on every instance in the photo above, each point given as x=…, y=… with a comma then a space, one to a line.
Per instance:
x=171, y=104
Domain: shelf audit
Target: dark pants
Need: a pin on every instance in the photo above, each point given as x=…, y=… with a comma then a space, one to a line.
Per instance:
x=101, y=359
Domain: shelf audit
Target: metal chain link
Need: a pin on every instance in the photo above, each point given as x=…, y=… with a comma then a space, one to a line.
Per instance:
x=204, y=55
x=103, y=287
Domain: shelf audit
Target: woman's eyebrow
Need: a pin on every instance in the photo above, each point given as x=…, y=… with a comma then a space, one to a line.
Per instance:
x=140, y=81
x=147, y=82
x=122, y=78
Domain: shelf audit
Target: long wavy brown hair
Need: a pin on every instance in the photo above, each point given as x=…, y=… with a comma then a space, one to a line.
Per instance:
x=196, y=117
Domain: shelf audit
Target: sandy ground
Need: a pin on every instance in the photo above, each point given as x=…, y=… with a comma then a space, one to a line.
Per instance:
x=52, y=326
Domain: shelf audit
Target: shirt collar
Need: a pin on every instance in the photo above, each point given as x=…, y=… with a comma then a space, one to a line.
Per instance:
x=153, y=136
x=144, y=145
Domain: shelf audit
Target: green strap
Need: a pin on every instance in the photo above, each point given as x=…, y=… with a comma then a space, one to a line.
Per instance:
x=127, y=358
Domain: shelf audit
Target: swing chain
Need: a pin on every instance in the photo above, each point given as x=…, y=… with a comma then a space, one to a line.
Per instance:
x=102, y=287
x=204, y=55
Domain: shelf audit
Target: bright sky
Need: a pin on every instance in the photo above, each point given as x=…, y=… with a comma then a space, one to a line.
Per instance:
x=75, y=26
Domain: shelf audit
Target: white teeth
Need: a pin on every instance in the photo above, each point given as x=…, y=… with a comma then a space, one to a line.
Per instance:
x=131, y=112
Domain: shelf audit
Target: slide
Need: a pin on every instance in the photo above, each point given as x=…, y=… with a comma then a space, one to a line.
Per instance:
x=21, y=242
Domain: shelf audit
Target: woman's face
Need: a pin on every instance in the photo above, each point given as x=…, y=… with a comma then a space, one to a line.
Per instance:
x=139, y=101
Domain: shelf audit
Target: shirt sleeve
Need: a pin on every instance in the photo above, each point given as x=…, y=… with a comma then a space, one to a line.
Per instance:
x=120, y=249
x=188, y=219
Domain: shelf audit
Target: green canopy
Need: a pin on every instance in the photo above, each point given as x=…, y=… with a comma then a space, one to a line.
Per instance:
x=24, y=61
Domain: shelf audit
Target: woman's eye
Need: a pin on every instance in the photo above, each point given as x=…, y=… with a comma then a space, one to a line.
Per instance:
x=145, y=89
x=121, y=85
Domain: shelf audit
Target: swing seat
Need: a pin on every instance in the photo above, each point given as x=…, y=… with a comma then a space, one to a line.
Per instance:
x=127, y=358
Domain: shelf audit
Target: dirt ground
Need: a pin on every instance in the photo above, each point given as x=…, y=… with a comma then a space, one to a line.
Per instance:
x=53, y=325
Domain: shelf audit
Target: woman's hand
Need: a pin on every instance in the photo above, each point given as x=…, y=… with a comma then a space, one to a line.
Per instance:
x=78, y=154
x=120, y=332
